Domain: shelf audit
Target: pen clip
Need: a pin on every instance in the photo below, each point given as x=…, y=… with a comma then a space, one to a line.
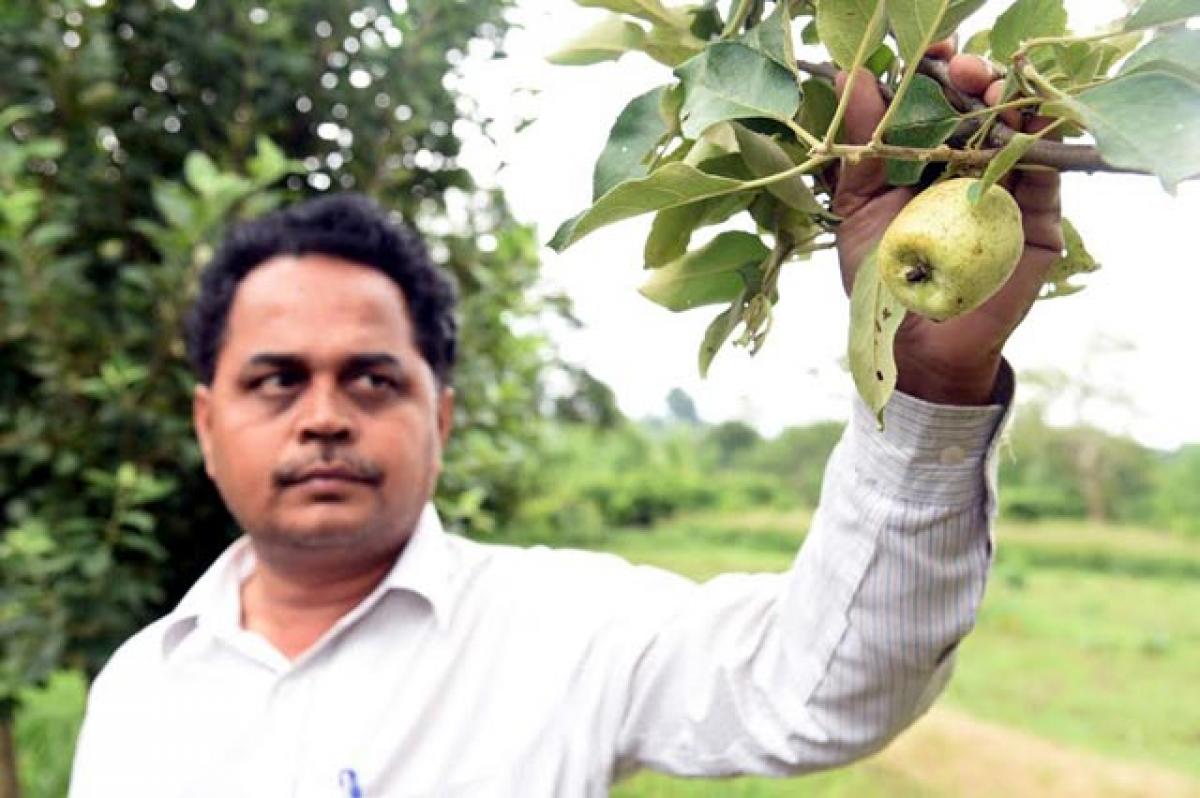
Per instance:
x=348, y=780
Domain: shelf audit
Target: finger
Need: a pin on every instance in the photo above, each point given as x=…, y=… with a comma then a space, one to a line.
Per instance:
x=992, y=96
x=865, y=109
x=942, y=50
x=1010, y=304
x=1037, y=194
x=971, y=74
x=1038, y=123
x=858, y=183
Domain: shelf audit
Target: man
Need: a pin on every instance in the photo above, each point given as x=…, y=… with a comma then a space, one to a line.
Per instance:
x=348, y=646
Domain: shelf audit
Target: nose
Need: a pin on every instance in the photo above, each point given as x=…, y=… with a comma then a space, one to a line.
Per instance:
x=325, y=417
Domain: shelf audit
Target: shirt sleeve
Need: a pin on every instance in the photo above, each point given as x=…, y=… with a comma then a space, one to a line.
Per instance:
x=783, y=674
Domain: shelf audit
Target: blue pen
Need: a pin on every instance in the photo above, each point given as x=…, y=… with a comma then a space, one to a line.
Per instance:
x=348, y=780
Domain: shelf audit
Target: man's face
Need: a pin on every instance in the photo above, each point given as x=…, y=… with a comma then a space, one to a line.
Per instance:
x=324, y=426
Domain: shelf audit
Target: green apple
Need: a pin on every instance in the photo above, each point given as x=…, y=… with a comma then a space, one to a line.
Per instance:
x=943, y=256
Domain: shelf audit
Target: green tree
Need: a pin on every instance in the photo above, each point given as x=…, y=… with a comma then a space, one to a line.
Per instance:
x=1176, y=498
x=681, y=408
x=131, y=133
x=798, y=456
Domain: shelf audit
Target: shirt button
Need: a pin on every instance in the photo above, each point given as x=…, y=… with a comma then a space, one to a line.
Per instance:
x=952, y=455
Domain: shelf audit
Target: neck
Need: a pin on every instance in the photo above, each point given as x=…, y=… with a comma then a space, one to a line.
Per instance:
x=293, y=608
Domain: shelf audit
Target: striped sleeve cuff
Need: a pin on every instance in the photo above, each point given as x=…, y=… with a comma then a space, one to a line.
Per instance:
x=929, y=452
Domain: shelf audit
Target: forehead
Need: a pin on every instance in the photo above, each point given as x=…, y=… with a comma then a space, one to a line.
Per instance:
x=314, y=304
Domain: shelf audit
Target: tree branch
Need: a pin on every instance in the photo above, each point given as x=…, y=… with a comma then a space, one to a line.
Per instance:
x=1064, y=157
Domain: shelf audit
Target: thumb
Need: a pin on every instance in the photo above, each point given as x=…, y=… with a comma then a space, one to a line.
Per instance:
x=858, y=183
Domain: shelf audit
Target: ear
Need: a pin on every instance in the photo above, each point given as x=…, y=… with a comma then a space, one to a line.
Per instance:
x=445, y=413
x=202, y=424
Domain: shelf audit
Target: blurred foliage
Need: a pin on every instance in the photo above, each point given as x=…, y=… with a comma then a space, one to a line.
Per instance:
x=131, y=134
x=1076, y=472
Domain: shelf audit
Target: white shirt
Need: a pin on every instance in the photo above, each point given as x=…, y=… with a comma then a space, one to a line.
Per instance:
x=494, y=671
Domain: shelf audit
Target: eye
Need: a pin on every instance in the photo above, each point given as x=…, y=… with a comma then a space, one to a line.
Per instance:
x=277, y=382
x=375, y=382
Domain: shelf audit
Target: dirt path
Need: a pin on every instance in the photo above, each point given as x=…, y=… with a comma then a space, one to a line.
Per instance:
x=957, y=755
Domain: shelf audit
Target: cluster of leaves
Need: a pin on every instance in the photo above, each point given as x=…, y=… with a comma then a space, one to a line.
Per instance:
x=744, y=128
x=127, y=144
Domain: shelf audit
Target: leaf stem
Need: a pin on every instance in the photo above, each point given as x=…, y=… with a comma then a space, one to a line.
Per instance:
x=786, y=174
x=808, y=138
x=1023, y=102
x=848, y=90
x=737, y=18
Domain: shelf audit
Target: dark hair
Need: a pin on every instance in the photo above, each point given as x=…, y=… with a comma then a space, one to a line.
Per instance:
x=348, y=226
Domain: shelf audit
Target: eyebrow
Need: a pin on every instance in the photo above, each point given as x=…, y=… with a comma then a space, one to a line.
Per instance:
x=355, y=362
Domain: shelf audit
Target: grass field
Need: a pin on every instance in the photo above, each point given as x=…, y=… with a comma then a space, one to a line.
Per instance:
x=1085, y=660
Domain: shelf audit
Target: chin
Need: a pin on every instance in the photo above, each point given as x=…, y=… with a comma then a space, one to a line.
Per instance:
x=322, y=528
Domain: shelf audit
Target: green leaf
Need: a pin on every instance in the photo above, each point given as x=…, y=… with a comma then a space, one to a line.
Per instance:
x=956, y=12
x=732, y=81
x=924, y=119
x=15, y=113
x=999, y=166
x=706, y=20
x=820, y=104
x=1161, y=12
x=667, y=187
x=717, y=272
x=1180, y=49
x=639, y=128
x=201, y=173
x=719, y=330
x=773, y=38
x=850, y=29
x=175, y=204
x=50, y=234
x=880, y=60
x=773, y=216
x=671, y=46
x=809, y=34
x=1075, y=260
x=269, y=163
x=1026, y=19
x=875, y=315
x=607, y=40
x=765, y=157
x=672, y=229
x=1079, y=62
x=1147, y=120
x=914, y=24
x=45, y=149
x=649, y=10
x=979, y=43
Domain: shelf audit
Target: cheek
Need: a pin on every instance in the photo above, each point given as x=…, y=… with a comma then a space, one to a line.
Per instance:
x=244, y=456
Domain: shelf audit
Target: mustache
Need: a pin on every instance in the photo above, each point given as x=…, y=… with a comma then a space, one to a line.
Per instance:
x=352, y=465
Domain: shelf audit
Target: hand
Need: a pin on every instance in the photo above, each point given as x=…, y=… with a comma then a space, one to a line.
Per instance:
x=954, y=361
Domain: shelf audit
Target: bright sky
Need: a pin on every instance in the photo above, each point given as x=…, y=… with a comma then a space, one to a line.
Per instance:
x=1124, y=335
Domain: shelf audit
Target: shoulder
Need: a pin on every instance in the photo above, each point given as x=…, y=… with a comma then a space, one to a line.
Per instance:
x=139, y=659
x=565, y=578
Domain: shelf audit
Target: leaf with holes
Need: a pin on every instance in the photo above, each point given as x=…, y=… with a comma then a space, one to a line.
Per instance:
x=875, y=315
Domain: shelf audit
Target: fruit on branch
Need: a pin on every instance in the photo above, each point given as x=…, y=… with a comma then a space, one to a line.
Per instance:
x=943, y=256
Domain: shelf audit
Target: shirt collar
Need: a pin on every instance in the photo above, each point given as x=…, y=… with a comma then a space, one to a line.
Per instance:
x=425, y=567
